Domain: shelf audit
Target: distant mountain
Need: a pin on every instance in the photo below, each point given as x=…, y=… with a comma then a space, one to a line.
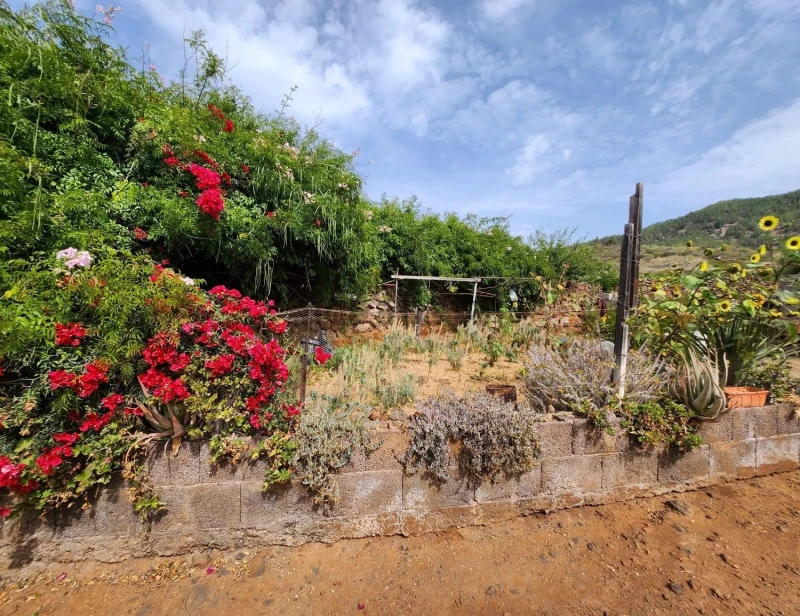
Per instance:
x=734, y=222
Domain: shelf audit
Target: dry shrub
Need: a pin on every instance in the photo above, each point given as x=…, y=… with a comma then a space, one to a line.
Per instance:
x=577, y=376
x=497, y=438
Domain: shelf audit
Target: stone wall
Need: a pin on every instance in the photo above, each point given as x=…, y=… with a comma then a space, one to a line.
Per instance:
x=223, y=507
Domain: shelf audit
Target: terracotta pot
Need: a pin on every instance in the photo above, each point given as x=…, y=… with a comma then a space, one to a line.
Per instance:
x=745, y=397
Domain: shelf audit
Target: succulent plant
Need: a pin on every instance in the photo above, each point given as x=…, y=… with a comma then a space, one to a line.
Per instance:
x=700, y=383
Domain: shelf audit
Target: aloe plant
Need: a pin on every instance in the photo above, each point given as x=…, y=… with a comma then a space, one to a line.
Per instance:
x=700, y=384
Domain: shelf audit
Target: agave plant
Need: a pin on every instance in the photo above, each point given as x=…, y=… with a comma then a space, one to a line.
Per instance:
x=700, y=384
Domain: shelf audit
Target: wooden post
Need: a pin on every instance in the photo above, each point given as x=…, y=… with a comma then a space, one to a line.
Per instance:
x=396, y=292
x=303, y=370
x=474, y=297
x=628, y=285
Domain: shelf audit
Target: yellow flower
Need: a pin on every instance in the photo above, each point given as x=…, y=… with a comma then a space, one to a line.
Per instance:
x=762, y=250
x=744, y=273
x=775, y=313
x=704, y=266
x=724, y=247
x=734, y=268
x=724, y=305
x=759, y=299
x=689, y=244
x=755, y=258
x=768, y=223
x=793, y=243
x=792, y=301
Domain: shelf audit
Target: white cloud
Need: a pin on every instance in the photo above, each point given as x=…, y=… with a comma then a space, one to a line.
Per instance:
x=530, y=162
x=602, y=48
x=503, y=9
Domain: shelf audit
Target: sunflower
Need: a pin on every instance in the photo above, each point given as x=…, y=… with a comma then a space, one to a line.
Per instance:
x=793, y=243
x=709, y=252
x=768, y=223
x=792, y=301
x=704, y=266
x=734, y=268
x=759, y=299
x=775, y=313
x=762, y=250
x=744, y=273
x=724, y=305
x=755, y=258
x=724, y=247
x=689, y=244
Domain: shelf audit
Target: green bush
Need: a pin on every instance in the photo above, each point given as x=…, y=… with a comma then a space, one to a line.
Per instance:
x=661, y=421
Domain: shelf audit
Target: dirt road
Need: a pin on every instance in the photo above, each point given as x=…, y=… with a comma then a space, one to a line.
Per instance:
x=730, y=549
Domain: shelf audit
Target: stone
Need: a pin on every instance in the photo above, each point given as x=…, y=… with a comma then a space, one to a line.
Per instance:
x=383, y=306
x=363, y=328
x=369, y=493
x=184, y=468
x=372, y=304
x=683, y=466
x=679, y=506
x=276, y=509
x=588, y=439
x=373, y=312
x=572, y=474
x=512, y=488
x=630, y=468
x=555, y=439
x=676, y=588
x=734, y=459
x=754, y=422
x=421, y=493
x=258, y=566
x=788, y=419
x=717, y=431
x=395, y=443
x=201, y=506
x=158, y=465
x=114, y=515
x=779, y=453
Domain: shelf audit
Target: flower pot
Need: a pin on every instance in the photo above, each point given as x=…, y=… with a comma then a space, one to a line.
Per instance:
x=745, y=397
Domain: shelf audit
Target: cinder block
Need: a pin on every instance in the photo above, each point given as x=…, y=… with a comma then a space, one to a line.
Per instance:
x=588, y=439
x=734, y=459
x=184, y=468
x=683, y=466
x=114, y=515
x=631, y=468
x=756, y=422
x=224, y=470
x=788, y=419
x=512, y=488
x=369, y=493
x=776, y=454
x=420, y=492
x=395, y=444
x=581, y=473
x=197, y=507
x=158, y=464
x=74, y=523
x=277, y=507
x=555, y=438
x=717, y=431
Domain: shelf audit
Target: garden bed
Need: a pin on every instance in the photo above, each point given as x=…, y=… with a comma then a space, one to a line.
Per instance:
x=226, y=507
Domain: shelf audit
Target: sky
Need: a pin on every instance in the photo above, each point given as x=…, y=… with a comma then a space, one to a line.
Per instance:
x=546, y=111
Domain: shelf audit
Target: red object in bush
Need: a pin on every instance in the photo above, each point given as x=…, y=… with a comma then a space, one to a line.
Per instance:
x=69, y=334
x=321, y=356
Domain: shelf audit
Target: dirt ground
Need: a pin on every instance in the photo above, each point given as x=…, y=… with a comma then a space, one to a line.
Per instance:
x=730, y=549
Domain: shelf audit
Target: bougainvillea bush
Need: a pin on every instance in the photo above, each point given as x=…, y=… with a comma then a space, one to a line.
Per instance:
x=103, y=354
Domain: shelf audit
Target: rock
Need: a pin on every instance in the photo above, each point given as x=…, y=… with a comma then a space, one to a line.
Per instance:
x=391, y=304
x=200, y=559
x=492, y=590
x=563, y=416
x=373, y=312
x=258, y=566
x=383, y=306
x=363, y=328
x=590, y=546
x=398, y=415
x=690, y=583
x=676, y=588
x=372, y=304
x=239, y=556
x=678, y=506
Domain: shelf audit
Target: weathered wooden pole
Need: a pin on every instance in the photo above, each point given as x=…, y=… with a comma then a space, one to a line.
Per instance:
x=628, y=286
x=474, y=297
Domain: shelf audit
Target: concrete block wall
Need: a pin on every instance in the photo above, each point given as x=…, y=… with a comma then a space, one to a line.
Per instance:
x=227, y=507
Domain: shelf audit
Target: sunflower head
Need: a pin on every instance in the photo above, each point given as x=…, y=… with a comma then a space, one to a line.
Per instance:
x=724, y=247
x=768, y=223
x=775, y=313
x=793, y=243
x=704, y=266
x=762, y=250
x=708, y=252
x=734, y=268
x=755, y=258
x=724, y=306
x=759, y=299
x=689, y=244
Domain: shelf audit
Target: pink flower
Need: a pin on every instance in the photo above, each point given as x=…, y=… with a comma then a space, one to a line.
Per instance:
x=211, y=203
x=206, y=178
x=140, y=234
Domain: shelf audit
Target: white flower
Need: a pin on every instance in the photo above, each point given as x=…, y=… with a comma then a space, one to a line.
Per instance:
x=67, y=253
x=200, y=138
x=308, y=197
x=187, y=281
x=508, y=248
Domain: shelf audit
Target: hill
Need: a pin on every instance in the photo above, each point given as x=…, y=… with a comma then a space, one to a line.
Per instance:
x=734, y=222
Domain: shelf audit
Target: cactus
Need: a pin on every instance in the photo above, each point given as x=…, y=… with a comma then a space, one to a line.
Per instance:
x=699, y=384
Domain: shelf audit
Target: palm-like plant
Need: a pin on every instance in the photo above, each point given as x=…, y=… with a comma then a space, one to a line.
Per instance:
x=700, y=383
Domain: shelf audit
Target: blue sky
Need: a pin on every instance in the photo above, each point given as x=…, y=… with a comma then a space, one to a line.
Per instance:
x=546, y=110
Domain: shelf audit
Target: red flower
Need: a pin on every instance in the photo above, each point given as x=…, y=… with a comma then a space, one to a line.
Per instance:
x=93, y=421
x=245, y=168
x=216, y=111
x=69, y=334
x=211, y=203
x=321, y=356
x=171, y=161
x=271, y=214
x=255, y=421
x=220, y=366
x=183, y=194
x=66, y=438
x=277, y=327
x=291, y=410
x=226, y=178
x=89, y=382
x=228, y=126
x=111, y=402
x=167, y=149
x=157, y=271
x=5, y=512
x=50, y=460
x=62, y=378
x=2, y=371
x=180, y=363
x=134, y=411
x=140, y=234
x=146, y=184
x=206, y=178
x=318, y=223
x=204, y=156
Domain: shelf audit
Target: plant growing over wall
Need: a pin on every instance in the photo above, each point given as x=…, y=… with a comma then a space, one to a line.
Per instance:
x=496, y=438
x=660, y=421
